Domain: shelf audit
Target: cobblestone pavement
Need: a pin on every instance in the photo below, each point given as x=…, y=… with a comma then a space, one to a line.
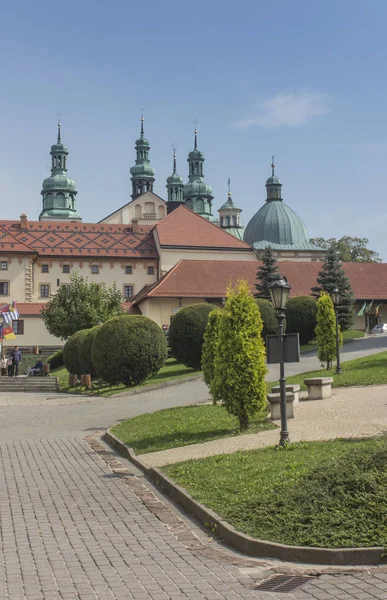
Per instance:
x=350, y=413
x=75, y=525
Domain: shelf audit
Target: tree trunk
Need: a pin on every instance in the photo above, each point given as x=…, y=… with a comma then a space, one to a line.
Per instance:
x=243, y=422
x=73, y=380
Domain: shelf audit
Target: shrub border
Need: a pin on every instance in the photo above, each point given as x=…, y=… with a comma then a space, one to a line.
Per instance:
x=240, y=541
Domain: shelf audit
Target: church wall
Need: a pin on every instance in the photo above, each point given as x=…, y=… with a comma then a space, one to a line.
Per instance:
x=35, y=334
x=148, y=209
x=161, y=310
x=169, y=258
x=110, y=271
x=18, y=275
x=295, y=255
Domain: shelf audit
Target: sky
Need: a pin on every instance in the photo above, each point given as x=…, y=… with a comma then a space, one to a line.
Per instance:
x=303, y=80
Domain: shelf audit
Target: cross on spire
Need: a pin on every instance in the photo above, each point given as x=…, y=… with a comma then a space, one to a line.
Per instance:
x=229, y=187
x=196, y=123
x=142, y=122
x=272, y=165
x=174, y=146
x=59, y=114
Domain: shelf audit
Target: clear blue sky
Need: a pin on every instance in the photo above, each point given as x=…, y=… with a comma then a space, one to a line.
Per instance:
x=303, y=80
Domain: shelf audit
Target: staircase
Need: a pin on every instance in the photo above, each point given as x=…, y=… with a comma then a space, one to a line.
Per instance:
x=29, y=385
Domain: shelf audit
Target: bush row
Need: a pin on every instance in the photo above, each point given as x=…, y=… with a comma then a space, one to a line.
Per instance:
x=126, y=349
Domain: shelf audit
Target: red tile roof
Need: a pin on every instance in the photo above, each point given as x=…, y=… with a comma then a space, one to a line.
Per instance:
x=184, y=228
x=55, y=238
x=210, y=278
x=29, y=308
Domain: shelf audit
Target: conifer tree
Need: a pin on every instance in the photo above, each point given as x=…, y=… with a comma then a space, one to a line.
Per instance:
x=326, y=330
x=210, y=342
x=239, y=365
x=265, y=274
x=331, y=276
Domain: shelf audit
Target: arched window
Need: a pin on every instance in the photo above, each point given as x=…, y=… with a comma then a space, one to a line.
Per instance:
x=49, y=201
x=192, y=168
x=221, y=221
x=199, y=205
x=233, y=220
x=227, y=221
x=137, y=211
x=189, y=203
x=196, y=168
x=60, y=201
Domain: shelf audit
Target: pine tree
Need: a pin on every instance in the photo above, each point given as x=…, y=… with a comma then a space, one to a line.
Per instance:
x=265, y=274
x=326, y=330
x=239, y=365
x=210, y=342
x=331, y=276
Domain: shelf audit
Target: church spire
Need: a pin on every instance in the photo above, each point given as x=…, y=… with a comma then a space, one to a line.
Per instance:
x=142, y=173
x=174, y=187
x=197, y=194
x=230, y=216
x=273, y=185
x=59, y=190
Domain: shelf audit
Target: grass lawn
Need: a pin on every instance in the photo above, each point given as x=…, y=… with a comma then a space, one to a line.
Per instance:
x=369, y=370
x=171, y=370
x=329, y=494
x=175, y=427
x=352, y=334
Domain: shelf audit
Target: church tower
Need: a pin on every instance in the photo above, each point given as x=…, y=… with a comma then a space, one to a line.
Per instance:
x=59, y=190
x=143, y=175
x=175, y=188
x=230, y=217
x=197, y=194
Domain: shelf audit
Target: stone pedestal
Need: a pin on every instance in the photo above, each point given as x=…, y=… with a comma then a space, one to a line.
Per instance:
x=275, y=405
x=319, y=388
x=293, y=388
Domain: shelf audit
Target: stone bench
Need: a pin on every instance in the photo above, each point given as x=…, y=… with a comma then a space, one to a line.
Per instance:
x=293, y=388
x=319, y=388
x=275, y=405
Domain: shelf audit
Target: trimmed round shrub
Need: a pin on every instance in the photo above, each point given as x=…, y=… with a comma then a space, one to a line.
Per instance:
x=301, y=317
x=128, y=349
x=269, y=320
x=71, y=348
x=186, y=334
x=85, y=351
x=56, y=359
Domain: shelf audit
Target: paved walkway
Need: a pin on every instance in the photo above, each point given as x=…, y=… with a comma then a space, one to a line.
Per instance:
x=72, y=527
x=351, y=412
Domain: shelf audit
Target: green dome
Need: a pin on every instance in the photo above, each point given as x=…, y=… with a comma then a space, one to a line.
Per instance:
x=142, y=170
x=197, y=188
x=230, y=204
x=142, y=143
x=276, y=223
x=273, y=180
x=58, y=181
x=195, y=155
x=59, y=148
x=175, y=179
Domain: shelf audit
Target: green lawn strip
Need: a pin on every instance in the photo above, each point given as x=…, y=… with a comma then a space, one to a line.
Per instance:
x=352, y=334
x=328, y=494
x=174, y=427
x=369, y=370
x=170, y=371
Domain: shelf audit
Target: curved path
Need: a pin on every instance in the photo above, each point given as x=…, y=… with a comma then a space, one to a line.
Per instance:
x=72, y=528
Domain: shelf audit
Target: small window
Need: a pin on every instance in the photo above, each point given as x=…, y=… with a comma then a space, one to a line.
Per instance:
x=45, y=269
x=44, y=290
x=18, y=327
x=128, y=291
x=128, y=270
x=95, y=269
x=66, y=269
x=4, y=265
x=57, y=282
x=4, y=288
x=150, y=270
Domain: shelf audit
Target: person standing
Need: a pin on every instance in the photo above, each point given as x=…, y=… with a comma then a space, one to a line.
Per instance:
x=16, y=361
x=4, y=365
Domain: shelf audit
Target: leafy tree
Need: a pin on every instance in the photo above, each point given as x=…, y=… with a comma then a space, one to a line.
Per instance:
x=326, y=330
x=269, y=321
x=301, y=317
x=128, y=349
x=350, y=249
x=331, y=276
x=85, y=351
x=71, y=357
x=239, y=365
x=186, y=333
x=265, y=273
x=55, y=360
x=80, y=306
x=210, y=342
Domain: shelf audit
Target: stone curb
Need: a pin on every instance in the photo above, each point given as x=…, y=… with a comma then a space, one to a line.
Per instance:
x=158, y=386
x=240, y=541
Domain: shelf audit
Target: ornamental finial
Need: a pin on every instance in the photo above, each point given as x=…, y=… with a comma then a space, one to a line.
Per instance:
x=174, y=158
x=196, y=134
x=142, y=122
x=229, y=188
x=272, y=165
x=59, y=114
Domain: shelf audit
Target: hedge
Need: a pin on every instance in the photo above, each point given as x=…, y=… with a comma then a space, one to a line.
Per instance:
x=85, y=351
x=186, y=334
x=71, y=359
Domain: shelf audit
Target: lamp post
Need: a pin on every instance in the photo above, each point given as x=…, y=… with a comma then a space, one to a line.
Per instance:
x=336, y=297
x=279, y=293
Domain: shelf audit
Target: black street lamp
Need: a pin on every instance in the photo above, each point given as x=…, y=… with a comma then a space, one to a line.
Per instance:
x=336, y=297
x=279, y=293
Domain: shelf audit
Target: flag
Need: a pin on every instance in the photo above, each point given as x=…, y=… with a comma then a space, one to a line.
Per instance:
x=361, y=311
x=8, y=333
x=368, y=308
x=377, y=309
x=9, y=312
